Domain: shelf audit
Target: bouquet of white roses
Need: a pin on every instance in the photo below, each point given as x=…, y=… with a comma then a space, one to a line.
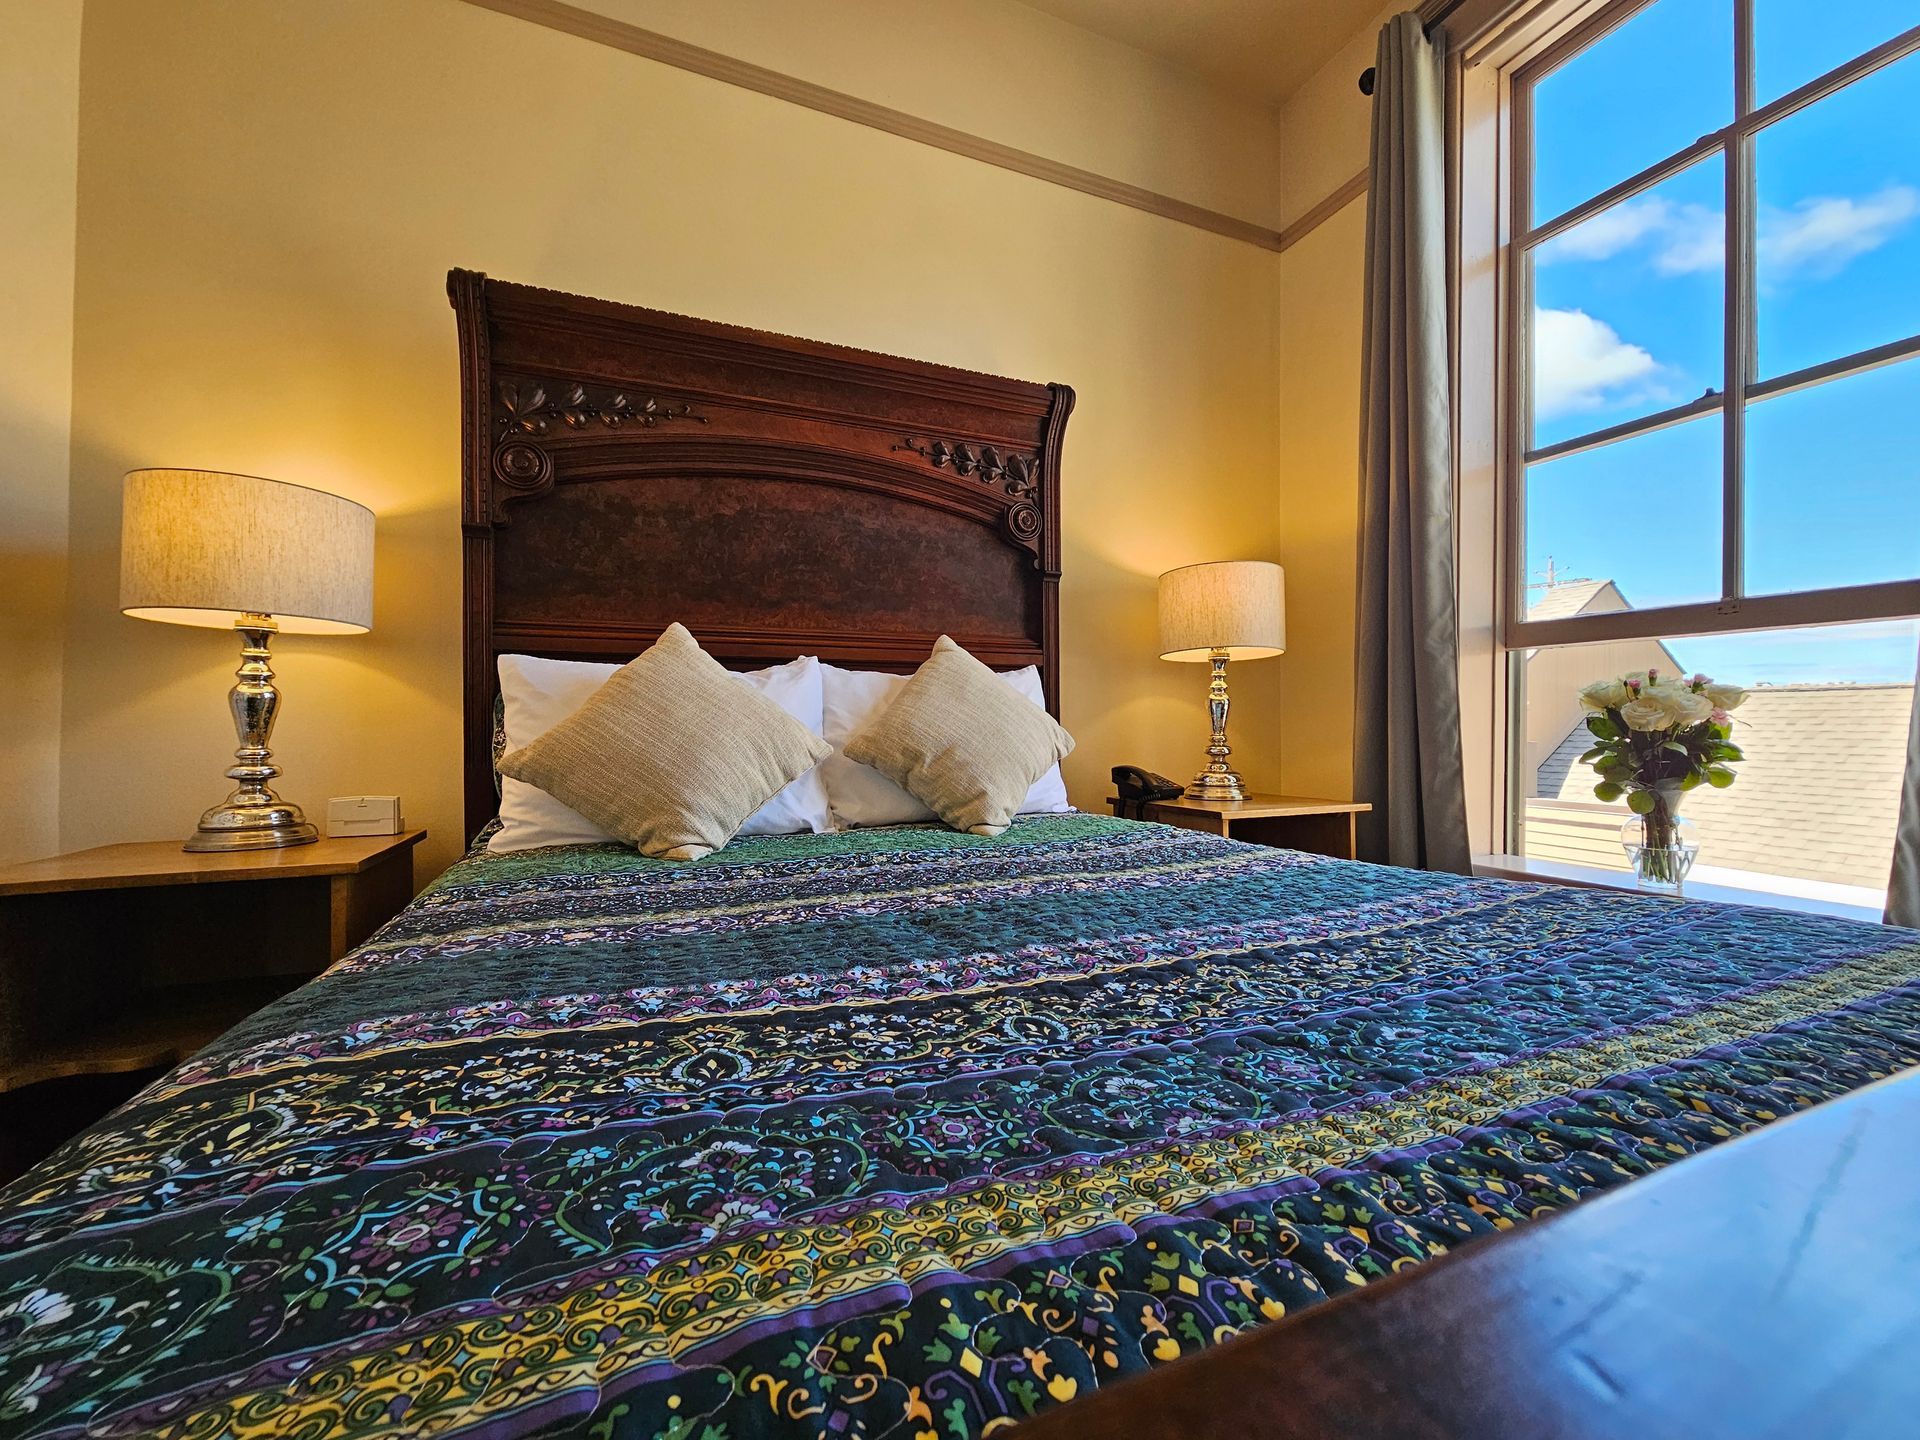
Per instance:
x=1655, y=739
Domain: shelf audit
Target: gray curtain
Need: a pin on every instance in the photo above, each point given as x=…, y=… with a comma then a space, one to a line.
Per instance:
x=1903, y=887
x=1406, y=742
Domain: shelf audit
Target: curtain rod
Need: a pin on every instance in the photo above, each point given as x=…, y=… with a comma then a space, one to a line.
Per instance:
x=1431, y=14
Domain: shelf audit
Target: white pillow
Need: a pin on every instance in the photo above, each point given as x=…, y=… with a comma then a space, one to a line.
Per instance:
x=861, y=795
x=537, y=695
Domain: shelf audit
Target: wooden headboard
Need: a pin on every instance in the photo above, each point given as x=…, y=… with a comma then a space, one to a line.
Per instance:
x=625, y=468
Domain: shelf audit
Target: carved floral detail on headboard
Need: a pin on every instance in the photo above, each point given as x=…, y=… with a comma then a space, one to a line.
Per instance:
x=526, y=408
x=1020, y=472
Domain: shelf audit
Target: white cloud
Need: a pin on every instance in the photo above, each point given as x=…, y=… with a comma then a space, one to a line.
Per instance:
x=1608, y=233
x=1818, y=236
x=1695, y=239
x=1580, y=363
x=1822, y=234
x=1685, y=238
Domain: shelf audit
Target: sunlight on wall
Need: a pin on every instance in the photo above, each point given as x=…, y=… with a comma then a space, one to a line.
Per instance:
x=1319, y=306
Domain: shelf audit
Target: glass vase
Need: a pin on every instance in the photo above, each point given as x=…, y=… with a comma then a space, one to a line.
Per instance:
x=1660, y=845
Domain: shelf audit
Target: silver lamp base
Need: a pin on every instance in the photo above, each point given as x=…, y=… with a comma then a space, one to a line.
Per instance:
x=247, y=826
x=253, y=817
x=1210, y=784
x=1219, y=781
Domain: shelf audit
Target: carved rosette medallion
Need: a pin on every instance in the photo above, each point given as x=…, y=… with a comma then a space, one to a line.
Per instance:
x=525, y=413
x=1022, y=522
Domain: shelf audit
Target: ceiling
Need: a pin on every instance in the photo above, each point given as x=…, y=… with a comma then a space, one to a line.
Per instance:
x=1260, y=49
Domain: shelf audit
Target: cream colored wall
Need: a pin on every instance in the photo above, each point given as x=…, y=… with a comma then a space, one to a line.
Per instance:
x=1325, y=125
x=269, y=199
x=1006, y=72
x=1318, y=308
x=1324, y=130
x=39, y=127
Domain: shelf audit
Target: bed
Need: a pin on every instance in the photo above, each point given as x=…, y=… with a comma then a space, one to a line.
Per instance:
x=891, y=1132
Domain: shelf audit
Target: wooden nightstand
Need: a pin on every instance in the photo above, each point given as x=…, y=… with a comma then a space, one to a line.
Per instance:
x=126, y=959
x=1297, y=822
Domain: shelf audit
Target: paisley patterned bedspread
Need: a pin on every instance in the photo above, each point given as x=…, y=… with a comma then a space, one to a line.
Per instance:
x=898, y=1133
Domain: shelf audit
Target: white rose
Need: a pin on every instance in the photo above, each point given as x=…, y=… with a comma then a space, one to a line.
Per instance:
x=1646, y=713
x=1724, y=697
x=1605, y=695
x=1687, y=707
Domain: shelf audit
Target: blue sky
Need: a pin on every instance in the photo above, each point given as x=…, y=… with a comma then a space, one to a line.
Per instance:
x=1627, y=321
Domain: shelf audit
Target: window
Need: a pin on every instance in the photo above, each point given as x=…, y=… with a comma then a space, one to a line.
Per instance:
x=1711, y=458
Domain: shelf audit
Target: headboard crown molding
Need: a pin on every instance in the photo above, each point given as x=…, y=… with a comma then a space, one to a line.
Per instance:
x=624, y=468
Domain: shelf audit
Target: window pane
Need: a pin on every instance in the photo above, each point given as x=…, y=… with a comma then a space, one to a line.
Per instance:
x=1651, y=87
x=1795, y=41
x=1833, y=484
x=1801, y=816
x=1628, y=307
x=1839, y=223
x=1642, y=515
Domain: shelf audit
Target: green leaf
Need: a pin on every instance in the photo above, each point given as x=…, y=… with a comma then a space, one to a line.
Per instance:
x=1027, y=1393
x=1676, y=747
x=1641, y=802
x=1603, y=727
x=1608, y=791
x=1592, y=755
x=1719, y=777
x=1692, y=779
x=1724, y=751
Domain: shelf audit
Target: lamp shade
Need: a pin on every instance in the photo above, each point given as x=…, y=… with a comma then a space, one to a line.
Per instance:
x=201, y=547
x=1235, y=607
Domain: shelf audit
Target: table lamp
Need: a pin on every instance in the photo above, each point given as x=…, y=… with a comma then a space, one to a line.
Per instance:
x=199, y=547
x=1224, y=610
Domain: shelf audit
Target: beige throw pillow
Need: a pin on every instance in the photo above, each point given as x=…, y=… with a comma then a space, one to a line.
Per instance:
x=672, y=754
x=961, y=741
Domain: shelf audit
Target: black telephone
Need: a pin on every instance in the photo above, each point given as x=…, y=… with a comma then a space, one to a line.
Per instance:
x=1138, y=786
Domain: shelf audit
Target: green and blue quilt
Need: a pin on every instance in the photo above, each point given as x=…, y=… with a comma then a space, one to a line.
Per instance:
x=895, y=1133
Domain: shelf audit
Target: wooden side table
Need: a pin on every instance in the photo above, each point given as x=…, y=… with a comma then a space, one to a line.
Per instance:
x=1295, y=822
x=128, y=958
